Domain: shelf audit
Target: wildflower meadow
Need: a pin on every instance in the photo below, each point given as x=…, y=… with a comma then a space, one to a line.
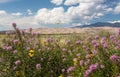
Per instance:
x=34, y=55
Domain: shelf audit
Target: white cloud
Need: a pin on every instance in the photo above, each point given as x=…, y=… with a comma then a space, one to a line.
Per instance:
x=29, y=12
x=82, y=13
x=117, y=9
x=73, y=2
x=57, y=2
x=4, y=1
x=85, y=11
x=56, y=15
x=17, y=14
x=2, y=12
x=117, y=21
x=23, y=22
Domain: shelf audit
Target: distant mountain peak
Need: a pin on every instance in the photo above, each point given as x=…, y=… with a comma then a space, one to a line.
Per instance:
x=100, y=24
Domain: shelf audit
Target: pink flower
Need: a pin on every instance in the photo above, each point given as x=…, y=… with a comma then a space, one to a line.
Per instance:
x=15, y=51
x=94, y=51
x=9, y=48
x=38, y=66
x=102, y=66
x=70, y=69
x=114, y=58
x=91, y=68
x=64, y=49
x=18, y=62
x=7, y=33
x=78, y=54
x=119, y=32
x=14, y=25
x=118, y=76
x=63, y=70
x=15, y=41
x=81, y=62
x=30, y=29
x=96, y=37
x=78, y=42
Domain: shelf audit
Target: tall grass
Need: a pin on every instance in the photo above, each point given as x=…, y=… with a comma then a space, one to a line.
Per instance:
x=32, y=55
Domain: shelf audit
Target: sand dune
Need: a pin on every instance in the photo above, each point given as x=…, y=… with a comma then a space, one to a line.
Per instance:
x=73, y=30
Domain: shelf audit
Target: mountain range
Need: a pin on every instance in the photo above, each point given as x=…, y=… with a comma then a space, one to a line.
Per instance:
x=100, y=24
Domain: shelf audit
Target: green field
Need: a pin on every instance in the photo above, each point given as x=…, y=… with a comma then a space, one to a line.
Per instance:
x=60, y=55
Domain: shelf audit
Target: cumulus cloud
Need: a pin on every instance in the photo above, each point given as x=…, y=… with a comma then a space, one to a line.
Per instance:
x=17, y=14
x=82, y=13
x=85, y=11
x=23, y=22
x=117, y=9
x=29, y=12
x=73, y=2
x=56, y=15
x=57, y=2
x=2, y=12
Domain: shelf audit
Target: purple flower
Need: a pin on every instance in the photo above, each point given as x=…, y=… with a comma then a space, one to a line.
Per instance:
x=105, y=45
x=87, y=72
x=118, y=76
x=7, y=33
x=14, y=68
x=119, y=32
x=15, y=51
x=63, y=70
x=27, y=48
x=94, y=51
x=91, y=68
x=83, y=46
x=114, y=58
x=15, y=41
x=18, y=62
x=14, y=25
x=78, y=42
x=70, y=69
x=30, y=29
x=94, y=42
x=38, y=66
x=96, y=37
x=64, y=49
x=78, y=54
x=116, y=47
x=103, y=40
x=9, y=48
x=112, y=37
x=81, y=62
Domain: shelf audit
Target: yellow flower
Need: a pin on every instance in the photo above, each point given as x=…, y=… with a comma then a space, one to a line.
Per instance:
x=31, y=51
x=42, y=41
x=7, y=69
x=91, y=55
x=17, y=73
x=61, y=75
x=75, y=61
x=31, y=54
x=78, y=57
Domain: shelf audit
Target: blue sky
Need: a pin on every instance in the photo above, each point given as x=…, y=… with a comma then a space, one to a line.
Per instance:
x=57, y=13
